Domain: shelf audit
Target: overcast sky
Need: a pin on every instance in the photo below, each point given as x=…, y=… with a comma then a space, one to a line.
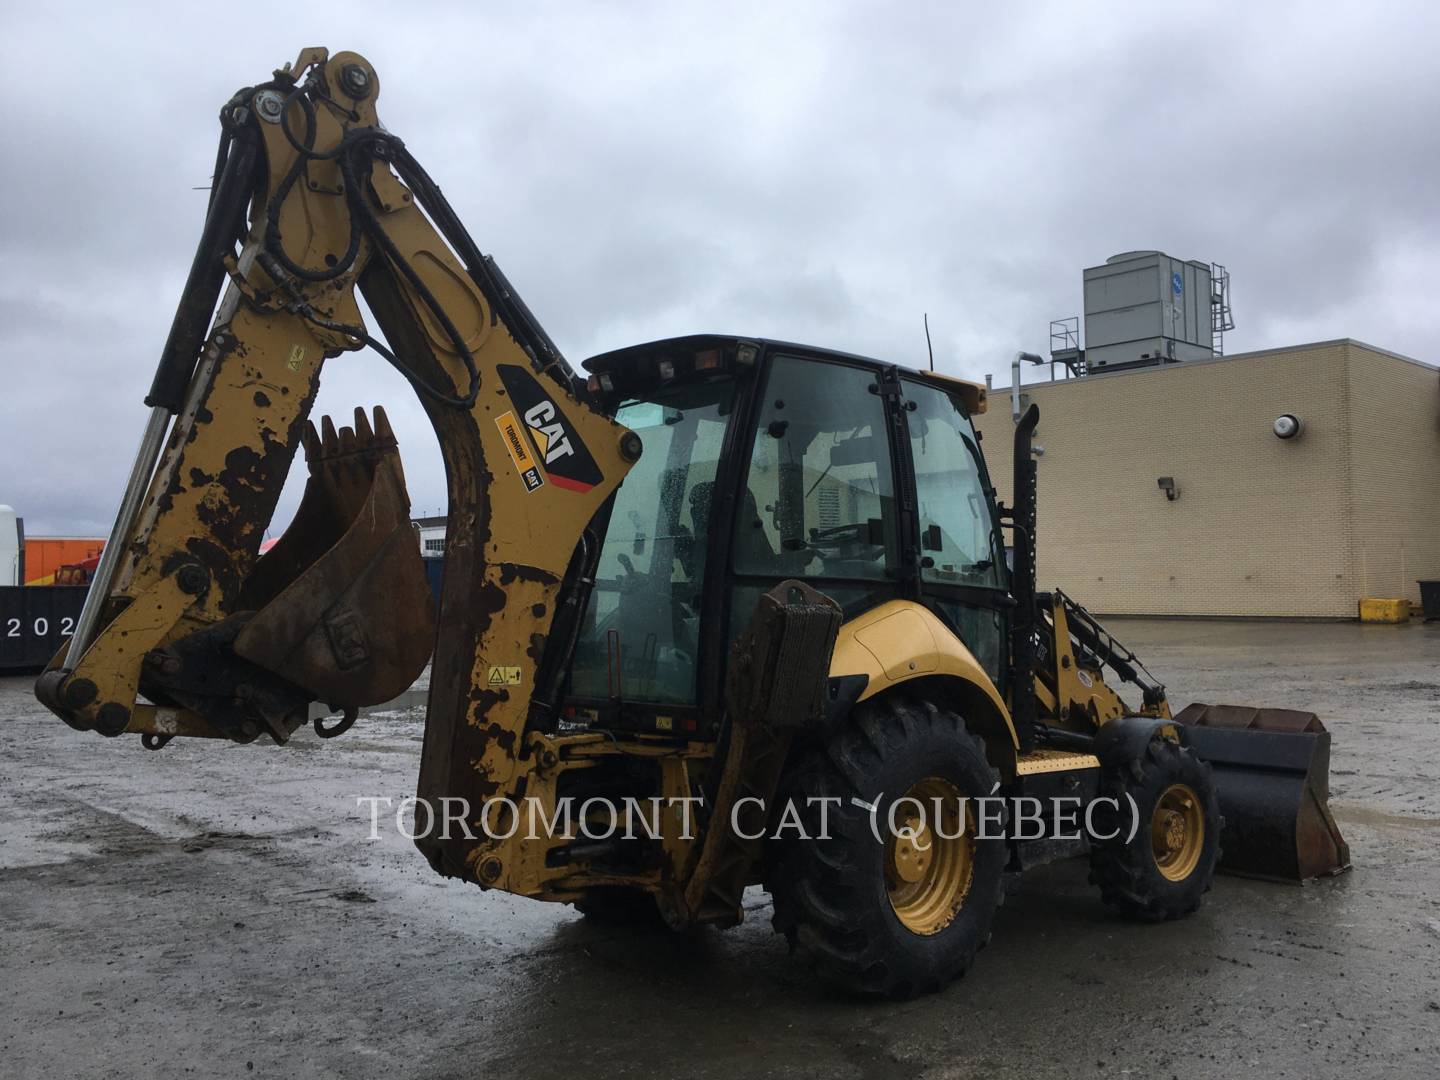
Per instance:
x=816, y=172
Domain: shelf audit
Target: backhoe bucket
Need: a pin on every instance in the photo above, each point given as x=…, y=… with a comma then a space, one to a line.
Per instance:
x=342, y=606
x=1272, y=776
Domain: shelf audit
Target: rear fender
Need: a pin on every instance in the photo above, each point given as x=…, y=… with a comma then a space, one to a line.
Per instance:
x=902, y=644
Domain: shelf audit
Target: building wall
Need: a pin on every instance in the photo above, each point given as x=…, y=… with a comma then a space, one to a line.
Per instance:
x=1396, y=472
x=1262, y=526
x=430, y=534
x=432, y=541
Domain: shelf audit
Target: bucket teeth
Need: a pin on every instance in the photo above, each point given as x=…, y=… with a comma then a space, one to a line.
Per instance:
x=382, y=427
x=366, y=436
x=329, y=442
x=362, y=428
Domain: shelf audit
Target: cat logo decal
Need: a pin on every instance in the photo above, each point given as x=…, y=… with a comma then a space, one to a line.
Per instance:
x=568, y=463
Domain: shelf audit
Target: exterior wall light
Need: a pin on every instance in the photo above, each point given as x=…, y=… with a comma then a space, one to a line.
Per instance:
x=1167, y=484
x=1286, y=426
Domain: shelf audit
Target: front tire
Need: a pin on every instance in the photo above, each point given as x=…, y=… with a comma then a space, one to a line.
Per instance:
x=1165, y=869
x=901, y=915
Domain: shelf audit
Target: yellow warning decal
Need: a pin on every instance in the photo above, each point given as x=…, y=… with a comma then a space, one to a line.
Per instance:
x=519, y=451
x=503, y=676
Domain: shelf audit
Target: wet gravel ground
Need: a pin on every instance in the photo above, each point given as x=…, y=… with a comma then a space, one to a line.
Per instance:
x=217, y=911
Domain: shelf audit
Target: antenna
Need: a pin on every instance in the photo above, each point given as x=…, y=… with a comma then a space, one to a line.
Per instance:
x=928, y=348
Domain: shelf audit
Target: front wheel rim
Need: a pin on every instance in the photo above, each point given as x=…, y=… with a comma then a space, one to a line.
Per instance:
x=1177, y=832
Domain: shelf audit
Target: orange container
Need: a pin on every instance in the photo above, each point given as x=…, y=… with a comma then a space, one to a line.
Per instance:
x=46, y=554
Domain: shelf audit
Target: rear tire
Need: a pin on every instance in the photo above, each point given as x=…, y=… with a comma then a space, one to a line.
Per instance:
x=888, y=918
x=1166, y=868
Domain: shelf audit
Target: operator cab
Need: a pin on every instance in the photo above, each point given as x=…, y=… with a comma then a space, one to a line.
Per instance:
x=763, y=461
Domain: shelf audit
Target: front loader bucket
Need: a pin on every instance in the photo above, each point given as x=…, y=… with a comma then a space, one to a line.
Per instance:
x=1272, y=776
x=342, y=605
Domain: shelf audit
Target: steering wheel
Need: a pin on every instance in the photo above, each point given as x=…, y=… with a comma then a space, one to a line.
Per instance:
x=834, y=539
x=634, y=580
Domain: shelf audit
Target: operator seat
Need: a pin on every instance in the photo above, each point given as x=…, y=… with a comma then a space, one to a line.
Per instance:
x=753, y=551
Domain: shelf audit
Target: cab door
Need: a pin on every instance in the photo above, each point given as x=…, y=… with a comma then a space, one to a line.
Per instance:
x=962, y=574
x=817, y=499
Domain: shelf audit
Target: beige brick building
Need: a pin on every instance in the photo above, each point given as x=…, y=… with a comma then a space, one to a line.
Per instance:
x=1262, y=526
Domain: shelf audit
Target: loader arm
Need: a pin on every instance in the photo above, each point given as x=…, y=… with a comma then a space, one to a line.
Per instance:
x=187, y=630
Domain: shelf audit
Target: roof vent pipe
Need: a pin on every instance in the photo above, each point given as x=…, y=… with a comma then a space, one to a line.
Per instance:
x=1015, y=381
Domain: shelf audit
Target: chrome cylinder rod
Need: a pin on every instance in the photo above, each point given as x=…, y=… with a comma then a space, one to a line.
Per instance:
x=135, y=488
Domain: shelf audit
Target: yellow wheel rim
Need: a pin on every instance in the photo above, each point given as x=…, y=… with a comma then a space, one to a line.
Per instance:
x=930, y=862
x=1177, y=832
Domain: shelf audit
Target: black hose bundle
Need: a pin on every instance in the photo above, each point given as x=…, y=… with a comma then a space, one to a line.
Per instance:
x=355, y=153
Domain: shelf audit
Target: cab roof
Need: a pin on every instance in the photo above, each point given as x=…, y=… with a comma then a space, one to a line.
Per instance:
x=643, y=356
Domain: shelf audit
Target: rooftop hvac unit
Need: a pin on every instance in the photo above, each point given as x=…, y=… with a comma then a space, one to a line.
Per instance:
x=1144, y=308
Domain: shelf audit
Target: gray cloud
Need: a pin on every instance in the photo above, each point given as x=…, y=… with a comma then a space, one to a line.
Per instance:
x=820, y=172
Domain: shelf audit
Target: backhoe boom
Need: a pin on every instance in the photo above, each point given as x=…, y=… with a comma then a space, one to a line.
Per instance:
x=189, y=631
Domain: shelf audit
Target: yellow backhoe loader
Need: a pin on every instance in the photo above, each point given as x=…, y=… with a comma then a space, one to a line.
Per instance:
x=720, y=612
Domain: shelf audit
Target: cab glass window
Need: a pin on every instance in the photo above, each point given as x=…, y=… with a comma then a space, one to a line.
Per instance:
x=641, y=633
x=819, y=499
x=957, y=533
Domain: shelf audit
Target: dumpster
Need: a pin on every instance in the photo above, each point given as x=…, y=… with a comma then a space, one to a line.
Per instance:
x=1430, y=599
x=34, y=621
